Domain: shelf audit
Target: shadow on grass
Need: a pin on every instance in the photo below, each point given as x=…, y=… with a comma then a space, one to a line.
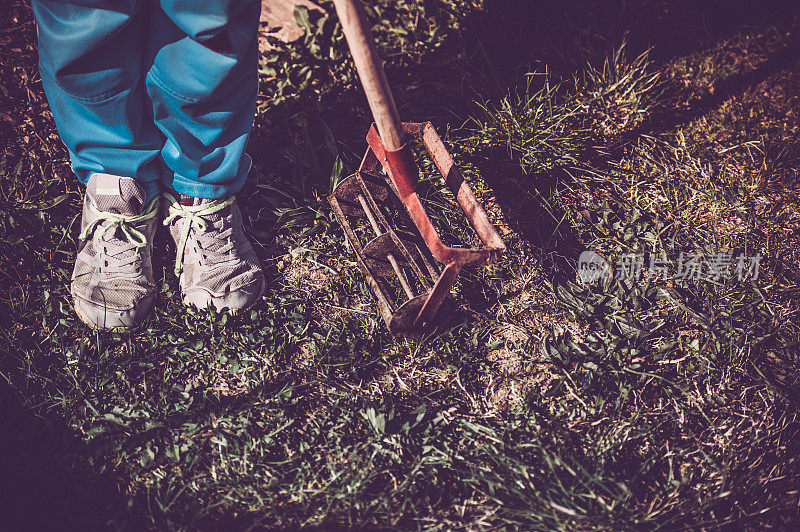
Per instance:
x=522, y=198
x=669, y=118
x=46, y=482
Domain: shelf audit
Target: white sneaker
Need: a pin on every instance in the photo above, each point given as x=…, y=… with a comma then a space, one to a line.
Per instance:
x=112, y=283
x=215, y=263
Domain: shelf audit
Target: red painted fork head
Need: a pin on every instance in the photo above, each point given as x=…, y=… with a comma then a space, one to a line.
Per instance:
x=403, y=174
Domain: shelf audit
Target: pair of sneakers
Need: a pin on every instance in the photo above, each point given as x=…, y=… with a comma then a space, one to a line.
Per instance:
x=113, y=284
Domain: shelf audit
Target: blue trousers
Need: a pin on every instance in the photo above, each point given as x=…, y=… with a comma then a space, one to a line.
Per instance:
x=163, y=91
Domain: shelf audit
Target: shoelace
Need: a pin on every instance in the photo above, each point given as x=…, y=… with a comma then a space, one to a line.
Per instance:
x=194, y=220
x=125, y=223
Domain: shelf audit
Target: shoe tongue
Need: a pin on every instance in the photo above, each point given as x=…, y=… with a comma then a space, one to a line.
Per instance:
x=215, y=218
x=191, y=201
x=187, y=201
x=120, y=195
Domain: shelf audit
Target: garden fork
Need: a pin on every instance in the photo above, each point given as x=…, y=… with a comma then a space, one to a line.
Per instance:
x=404, y=256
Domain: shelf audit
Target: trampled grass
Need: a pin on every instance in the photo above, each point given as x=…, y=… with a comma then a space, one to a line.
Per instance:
x=546, y=403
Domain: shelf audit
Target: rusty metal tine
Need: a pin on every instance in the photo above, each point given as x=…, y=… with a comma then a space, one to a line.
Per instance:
x=385, y=304
x=372, y=221
x=399, y=243
x=395, y=266
x=400, y=276
x=437, y=295
x=423, y=279
x=369, y=163
x=427, y=264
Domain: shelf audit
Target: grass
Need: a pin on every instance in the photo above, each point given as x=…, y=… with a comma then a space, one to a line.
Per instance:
x=548, y=404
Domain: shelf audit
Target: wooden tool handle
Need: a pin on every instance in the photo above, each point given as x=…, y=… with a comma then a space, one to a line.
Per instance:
x=370, y=70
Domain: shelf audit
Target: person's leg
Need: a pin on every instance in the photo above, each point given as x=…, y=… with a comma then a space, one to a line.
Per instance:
x=203, y=85
x=91, y=59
